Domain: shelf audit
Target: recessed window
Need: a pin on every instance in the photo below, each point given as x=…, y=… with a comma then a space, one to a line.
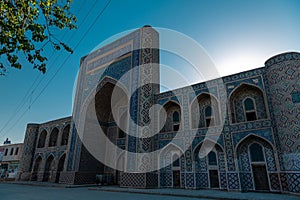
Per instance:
x=175, y=160
x=176, y=117
x=170, y=117
x=6, y=152
x=42, y=139
x=53, y=137
x=11, y=151
x=212, y=158
x=176, y=121
x=256, y=153
x=209, y=119
x=65, y=135
x=17, y=151
x=250, y=111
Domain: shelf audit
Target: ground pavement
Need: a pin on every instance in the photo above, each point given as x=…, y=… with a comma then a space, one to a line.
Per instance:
x=33, y=191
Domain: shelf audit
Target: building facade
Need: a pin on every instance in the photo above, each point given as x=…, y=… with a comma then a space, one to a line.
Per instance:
x=257, y=113
x=9, y=160
x=45, y=148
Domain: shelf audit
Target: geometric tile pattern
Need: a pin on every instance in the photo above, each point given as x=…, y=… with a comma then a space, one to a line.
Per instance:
x=246, y=181
x=233, y=181
x=223, y=180
x=201, y=180
x=275, y=183
x=274, y=89
x=189, y=180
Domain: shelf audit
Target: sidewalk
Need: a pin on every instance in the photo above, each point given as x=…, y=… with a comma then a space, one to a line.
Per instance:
x=47, y=184
x=208, y=194
x=201, y=193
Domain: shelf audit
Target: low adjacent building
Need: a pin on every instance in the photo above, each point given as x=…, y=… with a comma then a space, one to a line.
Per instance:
x=45, y=150
x=9, y=159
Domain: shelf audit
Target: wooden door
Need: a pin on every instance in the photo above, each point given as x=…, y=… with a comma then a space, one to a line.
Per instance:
x=176, y=178
x=260, y=177
x=214, y=178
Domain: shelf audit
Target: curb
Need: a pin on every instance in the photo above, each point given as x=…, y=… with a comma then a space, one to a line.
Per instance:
x=56, y=185
x=165, y=194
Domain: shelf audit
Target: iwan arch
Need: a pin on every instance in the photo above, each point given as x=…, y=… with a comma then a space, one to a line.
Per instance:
x=257, y=150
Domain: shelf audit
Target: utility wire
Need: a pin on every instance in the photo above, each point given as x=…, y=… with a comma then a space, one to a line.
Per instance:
x=61, y=66
x=32, y=89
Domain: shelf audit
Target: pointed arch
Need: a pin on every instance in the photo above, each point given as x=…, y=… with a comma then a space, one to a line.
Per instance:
x=42, y=139
x=256, y=138
x=172, y=115
x=211, y=161
x=60, y=167
x=171, y=164
x=65, y=135
x=53, y=137
x=36, y=168
x=37, y=164
x=103, y=100
x=171, y=146
x=199, y=108
x=253, y=163
x=108, y=79
x=49, y=166
x=216, y=145
x=61, y=162
x=168, y=151
x=237, y=98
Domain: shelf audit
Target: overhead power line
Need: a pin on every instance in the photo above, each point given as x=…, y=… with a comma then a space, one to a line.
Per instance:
x=56, y=72
x=31, y=90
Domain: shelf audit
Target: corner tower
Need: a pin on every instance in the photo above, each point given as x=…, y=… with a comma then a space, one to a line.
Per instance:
x=283, y=75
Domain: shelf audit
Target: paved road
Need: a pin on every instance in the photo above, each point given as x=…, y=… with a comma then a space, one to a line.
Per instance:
x=25, y=192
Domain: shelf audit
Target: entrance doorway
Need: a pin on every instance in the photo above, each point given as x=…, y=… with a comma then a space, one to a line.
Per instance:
x=60, y=167
x=48, y=169
x=176, y=178
x=260, y=177
x=214, y=178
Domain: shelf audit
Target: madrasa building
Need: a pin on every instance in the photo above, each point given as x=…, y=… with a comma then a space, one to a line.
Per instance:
x=252, y=119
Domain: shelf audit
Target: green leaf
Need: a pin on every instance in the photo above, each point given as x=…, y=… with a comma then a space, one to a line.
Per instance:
x=25, y=30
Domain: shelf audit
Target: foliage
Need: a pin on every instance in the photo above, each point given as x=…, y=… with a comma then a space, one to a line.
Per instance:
x=27, y=26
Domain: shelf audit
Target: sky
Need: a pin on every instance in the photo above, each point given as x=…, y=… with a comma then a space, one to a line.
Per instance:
x=238, y=35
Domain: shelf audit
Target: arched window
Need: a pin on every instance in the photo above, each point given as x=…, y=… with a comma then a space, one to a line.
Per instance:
x=170, y=117
x=250, y=111
x=256, y=153
x=176, y=117
x=11, y=151
x=42, y=139
x=209, y=119
x=65, y=135
x=212, y=158
x=176, y=121
x=37, y=163
x=175, y=160
x=53, y=137
x=204, y=111
x=61, y=163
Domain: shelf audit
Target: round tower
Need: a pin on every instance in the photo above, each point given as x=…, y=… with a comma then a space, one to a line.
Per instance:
x=283, y=75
